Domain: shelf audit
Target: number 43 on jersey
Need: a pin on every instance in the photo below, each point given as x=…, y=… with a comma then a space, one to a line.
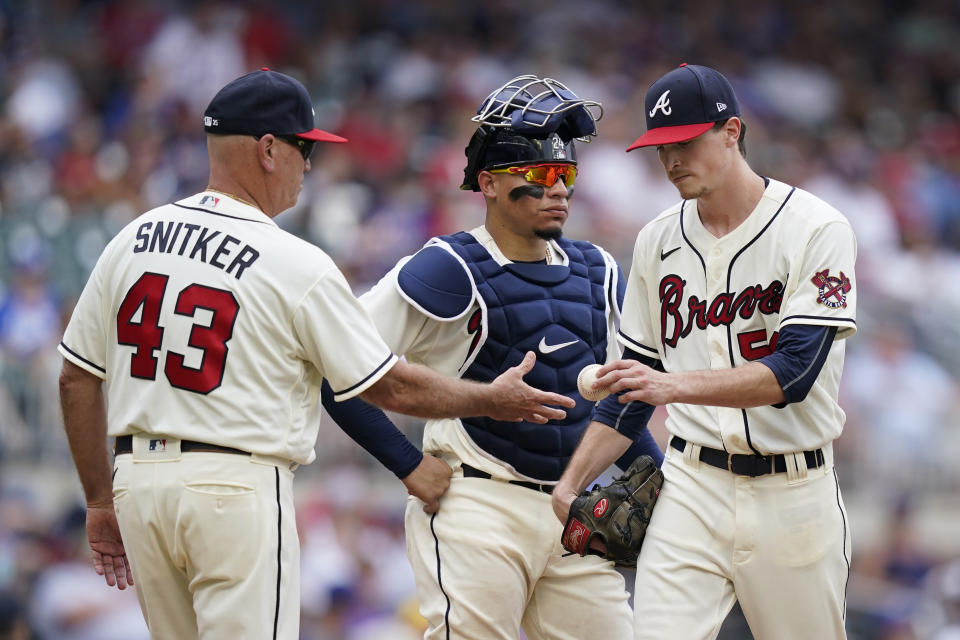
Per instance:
x=146, y=296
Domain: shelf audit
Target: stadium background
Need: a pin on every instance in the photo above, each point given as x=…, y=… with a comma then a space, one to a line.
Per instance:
x=857, y=101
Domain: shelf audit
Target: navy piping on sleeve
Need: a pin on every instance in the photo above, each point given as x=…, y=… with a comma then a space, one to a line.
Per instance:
x=637, y=346
x=362, y=382
x=850, y=321
x=80, y=357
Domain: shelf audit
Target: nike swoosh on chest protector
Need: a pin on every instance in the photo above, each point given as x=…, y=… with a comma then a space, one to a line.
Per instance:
x=550, y=348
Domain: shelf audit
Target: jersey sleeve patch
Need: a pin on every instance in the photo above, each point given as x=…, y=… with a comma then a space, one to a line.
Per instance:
x=437, y=283
x=832, y=290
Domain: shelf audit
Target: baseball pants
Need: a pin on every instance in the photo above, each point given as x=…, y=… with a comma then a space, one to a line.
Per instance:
x=212, y=541
x=778, y=543
x=490, y=562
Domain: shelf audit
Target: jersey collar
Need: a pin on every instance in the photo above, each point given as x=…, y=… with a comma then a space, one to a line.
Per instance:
x=223, y=204
x=486, y=240
x=769, y=204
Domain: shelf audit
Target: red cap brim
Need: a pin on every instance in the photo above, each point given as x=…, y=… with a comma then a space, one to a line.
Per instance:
x=669, y=135
x=321, y=136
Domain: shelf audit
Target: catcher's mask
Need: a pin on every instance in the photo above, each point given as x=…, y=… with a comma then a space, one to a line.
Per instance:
x=528, y=120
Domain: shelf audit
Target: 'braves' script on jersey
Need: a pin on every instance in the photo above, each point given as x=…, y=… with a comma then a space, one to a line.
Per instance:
x=722, y=310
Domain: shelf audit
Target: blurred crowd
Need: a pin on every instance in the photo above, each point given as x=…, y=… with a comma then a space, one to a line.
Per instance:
x=100, y=120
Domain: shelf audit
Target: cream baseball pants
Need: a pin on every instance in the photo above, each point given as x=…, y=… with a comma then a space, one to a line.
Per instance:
x=212, y=541
x=778, y=543
x=490, y=562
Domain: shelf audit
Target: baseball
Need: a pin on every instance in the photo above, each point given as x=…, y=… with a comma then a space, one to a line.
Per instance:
x=588, y=375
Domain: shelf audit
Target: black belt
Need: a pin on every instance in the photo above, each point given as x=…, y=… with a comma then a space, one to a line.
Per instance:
x=473, y=472
x=124, y=444
x=746, y=464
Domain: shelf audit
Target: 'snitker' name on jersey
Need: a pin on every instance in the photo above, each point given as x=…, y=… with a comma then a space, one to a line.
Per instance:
x=180, y=238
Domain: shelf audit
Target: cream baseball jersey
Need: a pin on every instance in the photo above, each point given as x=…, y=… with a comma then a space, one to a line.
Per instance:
x=206, y=308
x=699, y=302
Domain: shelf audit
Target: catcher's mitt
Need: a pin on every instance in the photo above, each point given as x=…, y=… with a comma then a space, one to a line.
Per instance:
x=617, y=514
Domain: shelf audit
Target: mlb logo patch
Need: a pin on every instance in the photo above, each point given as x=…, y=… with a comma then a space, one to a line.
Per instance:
x=158, y=445
x=210, y=201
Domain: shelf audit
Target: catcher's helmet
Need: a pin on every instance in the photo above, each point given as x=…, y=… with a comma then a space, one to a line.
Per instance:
x=526, y=121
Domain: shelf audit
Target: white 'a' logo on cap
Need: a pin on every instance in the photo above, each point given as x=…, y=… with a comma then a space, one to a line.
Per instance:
x=663, y=104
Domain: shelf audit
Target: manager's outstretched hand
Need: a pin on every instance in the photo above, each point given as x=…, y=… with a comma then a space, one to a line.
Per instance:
x=516, y=400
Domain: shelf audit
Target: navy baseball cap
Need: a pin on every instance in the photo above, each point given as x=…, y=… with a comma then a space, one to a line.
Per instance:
x=685, y=103
x=264, y=102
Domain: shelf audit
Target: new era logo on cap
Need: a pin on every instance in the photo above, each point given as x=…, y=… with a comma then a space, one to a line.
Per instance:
x=685, y=103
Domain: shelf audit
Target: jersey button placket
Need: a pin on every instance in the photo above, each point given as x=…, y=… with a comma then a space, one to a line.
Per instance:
x=717, y=352
x=716, y=349
x=716, y=335
x=716, y=267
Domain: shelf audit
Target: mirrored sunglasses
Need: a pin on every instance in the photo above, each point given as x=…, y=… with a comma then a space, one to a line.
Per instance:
x=543, y=174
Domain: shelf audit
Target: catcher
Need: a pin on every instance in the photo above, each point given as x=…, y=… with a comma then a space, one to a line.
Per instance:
x=488, y=561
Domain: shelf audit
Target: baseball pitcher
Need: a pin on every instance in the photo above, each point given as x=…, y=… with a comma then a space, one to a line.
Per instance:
x=738, y=304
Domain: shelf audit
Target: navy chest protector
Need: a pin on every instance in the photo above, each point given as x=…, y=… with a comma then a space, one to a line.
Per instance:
x=557, y=311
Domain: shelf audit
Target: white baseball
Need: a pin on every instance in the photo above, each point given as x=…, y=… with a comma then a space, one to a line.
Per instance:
x=588, y=375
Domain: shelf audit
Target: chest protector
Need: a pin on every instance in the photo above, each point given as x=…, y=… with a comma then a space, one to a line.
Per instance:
x=557, y=311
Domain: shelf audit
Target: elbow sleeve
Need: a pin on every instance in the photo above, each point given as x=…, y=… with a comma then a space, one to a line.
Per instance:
x=798, y=358
x=370, y=427
x=629, y=419
x=643, y=445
